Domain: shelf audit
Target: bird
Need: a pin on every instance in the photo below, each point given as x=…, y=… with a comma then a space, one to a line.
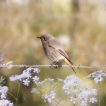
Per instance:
x=54, y=50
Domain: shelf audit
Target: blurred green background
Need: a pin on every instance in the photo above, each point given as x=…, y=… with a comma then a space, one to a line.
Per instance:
x=79, y=24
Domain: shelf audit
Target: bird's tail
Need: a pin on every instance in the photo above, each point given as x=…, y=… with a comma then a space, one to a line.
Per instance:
x=69, y=63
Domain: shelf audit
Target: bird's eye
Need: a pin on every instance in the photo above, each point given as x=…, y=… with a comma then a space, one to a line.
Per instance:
x=44, y=38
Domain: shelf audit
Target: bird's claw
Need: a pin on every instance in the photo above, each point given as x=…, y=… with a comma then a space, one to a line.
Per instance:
x=55, y=65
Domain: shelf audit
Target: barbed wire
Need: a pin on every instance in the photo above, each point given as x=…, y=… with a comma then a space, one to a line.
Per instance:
x=10, y=65
x=77, y=66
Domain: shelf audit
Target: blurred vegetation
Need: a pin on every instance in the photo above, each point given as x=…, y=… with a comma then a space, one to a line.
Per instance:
x=82, y=22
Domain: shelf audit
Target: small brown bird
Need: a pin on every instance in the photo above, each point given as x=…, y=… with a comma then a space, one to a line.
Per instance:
x=54, y=50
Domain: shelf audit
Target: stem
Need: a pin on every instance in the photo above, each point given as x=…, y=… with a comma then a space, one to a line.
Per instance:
x=17, y=93
x=16, y=98
x=99, y=94
x=74, y=94
x=59, y=101
x=101, y=89
x=11, y=95
x=41, y=93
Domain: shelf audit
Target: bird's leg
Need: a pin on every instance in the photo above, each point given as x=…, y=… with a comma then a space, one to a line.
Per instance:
x=59, y=64
x=55, y=64
x=52, y=65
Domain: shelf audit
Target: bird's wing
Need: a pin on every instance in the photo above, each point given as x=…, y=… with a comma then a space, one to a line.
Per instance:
x=55, y=44
x=65, y=55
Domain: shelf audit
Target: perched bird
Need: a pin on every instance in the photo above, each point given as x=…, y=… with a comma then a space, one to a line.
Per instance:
x=54, y=50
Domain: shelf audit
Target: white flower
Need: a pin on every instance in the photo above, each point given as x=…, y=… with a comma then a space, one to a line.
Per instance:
x=36, y=70
x=34, y=90
x=5, y=103
x=49, y=97
x=75, y=91
x=74, y=100
x=99, y=78
x=71, y=81
x=93, y=100
x=26, y=82
x=94, y=91
x=74, y=86
x=83, y=103
x=3, y=91
x=52, y=94
x=35, y=79
x=12, y=78
x=39, y=83
x=104, y=75
x=50, y=80
x=84, y=94
x=3, y=96
x=26, y=75
x=45, y=97
x=10, y=104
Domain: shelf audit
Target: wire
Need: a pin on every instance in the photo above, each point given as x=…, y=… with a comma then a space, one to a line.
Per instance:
x=10, y=65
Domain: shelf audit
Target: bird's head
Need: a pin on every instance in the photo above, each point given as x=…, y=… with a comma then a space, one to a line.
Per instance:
x=45, y=37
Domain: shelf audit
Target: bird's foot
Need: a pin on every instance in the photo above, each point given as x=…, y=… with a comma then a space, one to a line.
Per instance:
x=55, y=65
x=58, y=65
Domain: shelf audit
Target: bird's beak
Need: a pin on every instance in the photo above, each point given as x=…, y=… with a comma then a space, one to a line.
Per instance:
x=39, y=37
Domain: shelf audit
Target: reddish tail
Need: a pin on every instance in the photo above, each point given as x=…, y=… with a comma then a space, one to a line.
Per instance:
x=69, y=63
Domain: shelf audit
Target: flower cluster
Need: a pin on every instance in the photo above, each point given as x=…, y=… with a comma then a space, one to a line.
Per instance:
x=26, y=76
x=3, y=94
x=69, y=82
x=98, y=76
x=85, y=94
x=74, y=87
x=49, y=97
x=34, y=90
x=40, y=83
